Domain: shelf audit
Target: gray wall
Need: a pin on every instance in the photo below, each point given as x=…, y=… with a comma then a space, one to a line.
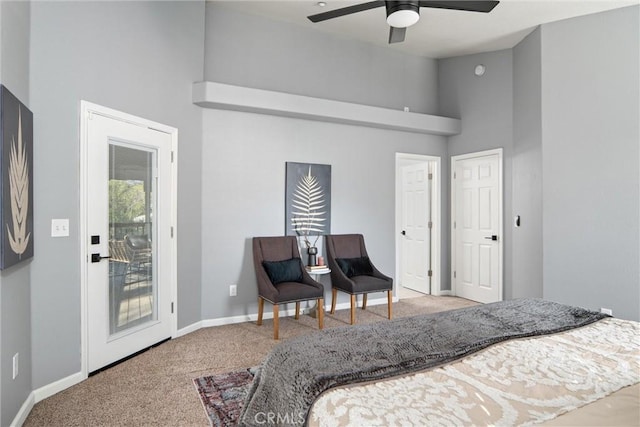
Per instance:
x=256, y=52
x=526, y=277
x=571, y=155
x=244, y=159
x=15, y=313
x=137, y=57
x=591, y=205
x=244, y=154
x=485, y=105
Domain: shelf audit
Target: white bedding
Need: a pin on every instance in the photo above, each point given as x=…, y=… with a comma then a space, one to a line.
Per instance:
x=518, y=382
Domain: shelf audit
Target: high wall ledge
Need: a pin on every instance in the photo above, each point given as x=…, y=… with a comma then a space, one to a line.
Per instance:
x=237, y=98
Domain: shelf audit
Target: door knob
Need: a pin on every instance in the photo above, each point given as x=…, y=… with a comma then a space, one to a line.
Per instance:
x=493, y=237
x=98, y=258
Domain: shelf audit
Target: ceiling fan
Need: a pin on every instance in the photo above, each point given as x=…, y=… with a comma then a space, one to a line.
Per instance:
x=403, y=14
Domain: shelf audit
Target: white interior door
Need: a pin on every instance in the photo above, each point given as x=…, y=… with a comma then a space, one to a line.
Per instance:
x=416, y=217
x=477, y=226
x=128, y=238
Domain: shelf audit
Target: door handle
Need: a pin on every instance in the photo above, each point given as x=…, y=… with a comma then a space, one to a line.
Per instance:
x=493, y=237
x=404, y=233
x=98, y=258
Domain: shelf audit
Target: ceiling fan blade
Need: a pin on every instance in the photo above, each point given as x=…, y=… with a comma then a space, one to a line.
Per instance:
x=471, y=6
x=396, y=35
x=345, y=11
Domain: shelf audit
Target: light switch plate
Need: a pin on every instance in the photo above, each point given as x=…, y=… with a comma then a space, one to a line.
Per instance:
x=60, y=227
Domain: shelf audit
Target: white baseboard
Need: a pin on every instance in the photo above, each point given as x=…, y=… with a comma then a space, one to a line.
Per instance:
x=245, y=318
x=269, y=315
x=370, y=302
x=42, y=393
x=187, y=330
x=57, y=386
x=24, y=411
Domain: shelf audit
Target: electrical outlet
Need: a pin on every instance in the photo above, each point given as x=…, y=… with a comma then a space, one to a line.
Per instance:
x=233, y=290
x=606, y=311
x=15, y=365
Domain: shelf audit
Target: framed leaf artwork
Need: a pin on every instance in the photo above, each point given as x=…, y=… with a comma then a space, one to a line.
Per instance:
x=307, y=201
x=16, y=130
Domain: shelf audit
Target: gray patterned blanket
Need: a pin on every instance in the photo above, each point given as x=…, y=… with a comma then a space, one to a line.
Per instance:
x=297, y=371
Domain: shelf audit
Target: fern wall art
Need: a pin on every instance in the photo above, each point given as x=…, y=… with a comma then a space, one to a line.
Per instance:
x=16, y=125
x=308, y=202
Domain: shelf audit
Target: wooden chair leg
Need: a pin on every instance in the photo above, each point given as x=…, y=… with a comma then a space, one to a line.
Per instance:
x=260, y=310
x=389, y=301
x=353, y=309
x=276, y=322
x=320, y=305
x=364, y=301
x=334, y=294
x=297, y=316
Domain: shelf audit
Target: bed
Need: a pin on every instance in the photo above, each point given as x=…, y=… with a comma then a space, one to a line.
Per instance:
x=519, y=362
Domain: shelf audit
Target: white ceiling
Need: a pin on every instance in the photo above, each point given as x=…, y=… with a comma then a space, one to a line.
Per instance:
x=439, y=33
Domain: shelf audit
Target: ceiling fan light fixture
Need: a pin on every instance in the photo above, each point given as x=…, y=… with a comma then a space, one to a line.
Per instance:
x=402, y=14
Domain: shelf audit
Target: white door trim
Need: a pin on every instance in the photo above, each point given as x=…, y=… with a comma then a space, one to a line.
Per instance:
x=499, y=153
x=401, y=160
x=86, y=110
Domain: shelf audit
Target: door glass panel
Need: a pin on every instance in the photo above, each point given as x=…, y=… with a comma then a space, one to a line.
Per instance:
x=132, y=285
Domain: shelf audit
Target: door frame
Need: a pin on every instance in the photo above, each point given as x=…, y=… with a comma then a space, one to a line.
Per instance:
x=454, y=159
x=406, y=159
x=86, y=110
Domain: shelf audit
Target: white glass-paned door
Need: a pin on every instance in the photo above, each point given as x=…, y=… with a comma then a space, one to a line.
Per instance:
x=129, y=193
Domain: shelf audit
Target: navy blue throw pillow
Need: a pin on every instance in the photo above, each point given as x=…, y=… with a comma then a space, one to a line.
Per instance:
x=288, y=270
x=355, y=266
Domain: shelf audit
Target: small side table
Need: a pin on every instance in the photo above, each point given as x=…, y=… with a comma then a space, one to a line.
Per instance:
x=315, y=274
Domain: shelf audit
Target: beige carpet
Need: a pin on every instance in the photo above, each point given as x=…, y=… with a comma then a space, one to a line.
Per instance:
x=156, y=389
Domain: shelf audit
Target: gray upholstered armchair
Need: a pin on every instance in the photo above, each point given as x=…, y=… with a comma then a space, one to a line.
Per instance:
x=282, y=278
x=352, y=271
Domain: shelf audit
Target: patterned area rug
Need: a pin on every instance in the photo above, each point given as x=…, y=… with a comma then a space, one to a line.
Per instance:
x=222, y=395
